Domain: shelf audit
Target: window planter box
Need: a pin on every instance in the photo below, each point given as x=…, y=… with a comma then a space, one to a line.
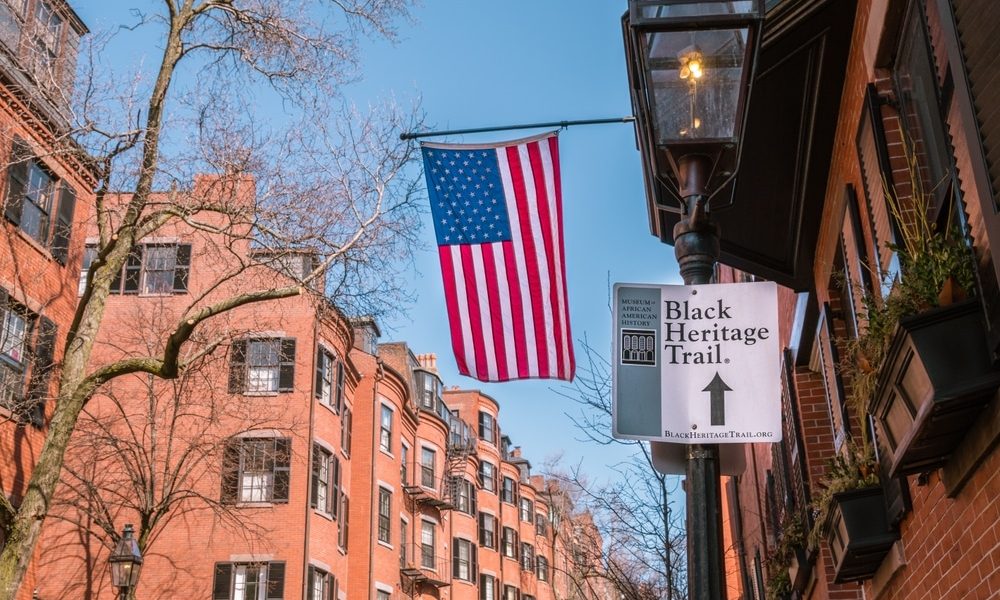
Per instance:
x=800, y=568
x=858, y=533
x=936, y=378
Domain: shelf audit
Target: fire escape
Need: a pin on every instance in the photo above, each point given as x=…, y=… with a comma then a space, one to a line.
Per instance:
x=419, y=561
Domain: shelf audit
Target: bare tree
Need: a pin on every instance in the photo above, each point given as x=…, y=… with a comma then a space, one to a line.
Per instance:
x=644, y=542
x=325, y=179
x=150, y=451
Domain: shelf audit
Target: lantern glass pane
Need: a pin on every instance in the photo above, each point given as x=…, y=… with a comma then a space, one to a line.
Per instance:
x=681, y=10
x=694, y=80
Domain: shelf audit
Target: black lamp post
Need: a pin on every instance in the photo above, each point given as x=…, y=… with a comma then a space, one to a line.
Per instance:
x=690, y=67
x=125, y=561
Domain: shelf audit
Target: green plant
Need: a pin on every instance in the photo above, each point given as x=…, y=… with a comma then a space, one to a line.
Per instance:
x=936, y=266
x=779, y=584
x=852, y=469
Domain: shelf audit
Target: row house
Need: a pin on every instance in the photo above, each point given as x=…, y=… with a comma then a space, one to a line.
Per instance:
x=892, y=173
x=296, y=456
x=47, y=198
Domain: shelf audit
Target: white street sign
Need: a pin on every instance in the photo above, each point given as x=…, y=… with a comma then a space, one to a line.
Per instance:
x=697, y=364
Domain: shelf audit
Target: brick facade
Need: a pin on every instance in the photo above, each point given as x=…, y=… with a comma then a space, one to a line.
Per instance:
x=947, y=517
x=310, y=460
x=38, y=273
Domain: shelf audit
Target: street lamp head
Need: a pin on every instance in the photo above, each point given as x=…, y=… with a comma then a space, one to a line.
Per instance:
x=125, y=561
x=690, y=66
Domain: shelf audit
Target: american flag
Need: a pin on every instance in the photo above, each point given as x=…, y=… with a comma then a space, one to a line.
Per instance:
x=497, y=212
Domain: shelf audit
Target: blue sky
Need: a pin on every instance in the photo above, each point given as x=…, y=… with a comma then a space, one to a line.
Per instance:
x=477, y=64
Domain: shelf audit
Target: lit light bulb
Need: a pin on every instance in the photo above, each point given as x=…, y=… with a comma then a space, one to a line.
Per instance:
x=695, y=67
x=697, y=123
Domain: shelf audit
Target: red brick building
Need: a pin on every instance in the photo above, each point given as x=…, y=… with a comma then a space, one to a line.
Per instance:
x=901, y=121
x=47, y=201
x=300, y=459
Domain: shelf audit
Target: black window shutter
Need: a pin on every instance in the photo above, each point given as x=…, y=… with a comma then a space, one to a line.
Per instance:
x=41, y=371
x=286, y=369
x=472, y=495
x=482, y=530
x=314, y=487
x=282, y=460
x=338, y=392
x=182, y=266
x=133, y=270
x=344, y=521
x=64, y=224
x=237, y=366
x=474, y=566
x=334, y=496
x=230, y=471
x=334, y=587
x=454, y=557
x=348, y=425
x=310, y=577
x=275, y=581
x=320, y=364
x=223, y=581
x=17, y=176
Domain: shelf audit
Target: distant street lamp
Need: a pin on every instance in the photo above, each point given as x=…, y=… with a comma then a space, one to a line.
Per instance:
x=691, y=66
x=126, y=561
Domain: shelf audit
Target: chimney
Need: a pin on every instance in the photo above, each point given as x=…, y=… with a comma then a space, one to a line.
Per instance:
x=428, y=361
x=366, y=334
x=516, y=452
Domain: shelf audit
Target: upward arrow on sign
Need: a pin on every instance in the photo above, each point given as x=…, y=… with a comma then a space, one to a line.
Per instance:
x=717, y=389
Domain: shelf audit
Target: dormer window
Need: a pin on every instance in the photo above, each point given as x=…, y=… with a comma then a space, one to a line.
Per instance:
x=45, y=42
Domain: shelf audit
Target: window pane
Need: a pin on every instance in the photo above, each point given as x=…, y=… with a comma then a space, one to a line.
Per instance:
x=262, y=365
x=158, y=269
x=12, y=338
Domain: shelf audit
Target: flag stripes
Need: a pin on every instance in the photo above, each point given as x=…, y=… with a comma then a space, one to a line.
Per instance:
x=506, y=300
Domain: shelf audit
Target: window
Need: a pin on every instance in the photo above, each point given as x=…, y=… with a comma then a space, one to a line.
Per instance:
x=384, y=514
x=541, y=526
x=404, y=541
x=31, y=202
x=427, y=477
x=346, y=419
x=404, y=464
x=154, y=269
x=382, y=595
x=26, y=340
x=487, y=531
x=527, y=557
x=325, y=481
x=36, y=207
x=527, y=510
x=465, y=496
x=427, y=545
x=542, y=568
x=329, y=380
x=464, y=565
x=45, y=42
x=15, y=330
x=508, y=493
x=256, y=470
x=508, y=543
x=488, y=476
x=487, y=587
x=385, y=430
x=262, y=366
x=916, y=85
x=511, y=593
x=322, y=585
x=249, y=581
x=487, y=427
x=89, y=254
